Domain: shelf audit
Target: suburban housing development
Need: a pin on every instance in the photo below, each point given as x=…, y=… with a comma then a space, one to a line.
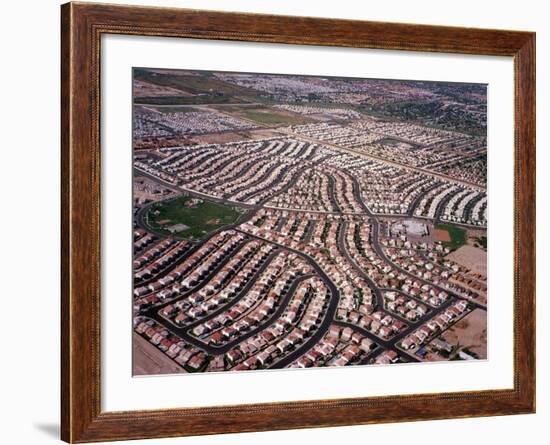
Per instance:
x=299, y=221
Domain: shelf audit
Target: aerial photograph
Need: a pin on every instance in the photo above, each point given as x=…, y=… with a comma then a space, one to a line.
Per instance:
x=290, y=221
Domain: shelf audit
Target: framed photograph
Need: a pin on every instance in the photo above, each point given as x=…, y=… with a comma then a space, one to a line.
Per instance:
x=275, y=222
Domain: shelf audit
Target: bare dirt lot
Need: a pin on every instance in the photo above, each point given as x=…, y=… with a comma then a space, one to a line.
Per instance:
x=261, y=133
x=220, y=138
x=471, y=257
x=442, y=235
x=470, y=333
x=146, y=190
x=143, y=88
x=148, y=360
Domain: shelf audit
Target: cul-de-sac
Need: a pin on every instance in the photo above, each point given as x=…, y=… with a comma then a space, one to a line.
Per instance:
x=305, y=221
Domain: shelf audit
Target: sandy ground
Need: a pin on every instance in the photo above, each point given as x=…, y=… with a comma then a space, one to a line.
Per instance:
x=476, y=233
x=146, y=189
x=220, y=138
x=148, y=360
x=260, y=133
x=471, y=257
x=143, y=88
x=442, y=235
x=470, y=332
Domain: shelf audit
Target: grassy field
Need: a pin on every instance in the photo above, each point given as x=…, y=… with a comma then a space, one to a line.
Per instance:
x=457, y=234
x=198, y=217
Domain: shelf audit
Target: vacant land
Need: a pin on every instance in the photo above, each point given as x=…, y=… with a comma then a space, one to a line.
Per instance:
x=147, y=89
x=457, y=235
x=299, y=230
x=176, y=109
x=471, y=257
x=193, y=82
x=218, y=138
x=266, y=116
x=187, y=100
x=269, y=117
x=470, y=334
x=187, y=217
x=148, y=360
x=147, y=190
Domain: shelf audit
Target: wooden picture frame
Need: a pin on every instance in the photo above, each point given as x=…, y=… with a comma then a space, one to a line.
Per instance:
x=82, y=26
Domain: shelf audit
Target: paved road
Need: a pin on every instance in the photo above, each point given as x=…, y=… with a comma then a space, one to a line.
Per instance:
x=375, y=234
x=330, y=310
x=183, y=190
x=272, y=319
x=363, y=154
x=421, y=196
x=183, y=332
x=378, y=299
x=386, y=344
x=165, y=270
x=328, y=316
x=379, y=159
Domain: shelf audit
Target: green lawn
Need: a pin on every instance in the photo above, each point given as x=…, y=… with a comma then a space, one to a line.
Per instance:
x=457, y=234
x=199, y=218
